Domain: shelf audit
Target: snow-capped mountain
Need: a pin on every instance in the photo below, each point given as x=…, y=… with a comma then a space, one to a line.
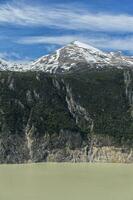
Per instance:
x=11, y=66
x=74, y=56
x=69, y=57
x=4, y=65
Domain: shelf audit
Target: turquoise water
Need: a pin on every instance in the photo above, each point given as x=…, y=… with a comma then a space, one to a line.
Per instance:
x=66, y=182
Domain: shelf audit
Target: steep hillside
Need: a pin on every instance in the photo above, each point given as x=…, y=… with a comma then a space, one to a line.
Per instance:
x=85, y=115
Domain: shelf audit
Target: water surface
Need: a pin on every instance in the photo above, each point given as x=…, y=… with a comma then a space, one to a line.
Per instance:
x=66, y=182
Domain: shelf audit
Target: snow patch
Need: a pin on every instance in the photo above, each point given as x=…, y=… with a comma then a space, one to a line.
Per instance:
x=85, y=46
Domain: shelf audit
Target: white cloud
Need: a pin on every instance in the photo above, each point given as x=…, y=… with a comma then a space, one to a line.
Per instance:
x=3, y=55
x=102, y=41
x=50, y=47
x=123, y=44
x=67, y=17
x=10, y=56
x=57, y=40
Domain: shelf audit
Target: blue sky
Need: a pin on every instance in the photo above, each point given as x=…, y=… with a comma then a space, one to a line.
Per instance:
x=32, y=28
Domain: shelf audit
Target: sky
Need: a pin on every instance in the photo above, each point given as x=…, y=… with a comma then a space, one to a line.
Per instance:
x=32, y=28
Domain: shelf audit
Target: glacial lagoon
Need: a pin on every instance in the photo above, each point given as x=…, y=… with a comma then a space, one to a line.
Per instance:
x=53, y=181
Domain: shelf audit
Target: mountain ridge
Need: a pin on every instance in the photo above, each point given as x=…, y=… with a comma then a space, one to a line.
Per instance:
x=69, y=58
x=75, y=105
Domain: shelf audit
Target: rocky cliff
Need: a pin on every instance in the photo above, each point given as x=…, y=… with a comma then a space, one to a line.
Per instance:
x=83, y=116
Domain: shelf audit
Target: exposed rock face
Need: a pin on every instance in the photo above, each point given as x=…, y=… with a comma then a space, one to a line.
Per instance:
x=128, y=78
x=77, y=117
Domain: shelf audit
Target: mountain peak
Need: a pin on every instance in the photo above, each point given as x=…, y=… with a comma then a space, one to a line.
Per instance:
x=85, y=46
x=74, y=56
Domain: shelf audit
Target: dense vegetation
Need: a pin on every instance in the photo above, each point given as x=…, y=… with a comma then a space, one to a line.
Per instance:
x=33, y=99
x=102, y=93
